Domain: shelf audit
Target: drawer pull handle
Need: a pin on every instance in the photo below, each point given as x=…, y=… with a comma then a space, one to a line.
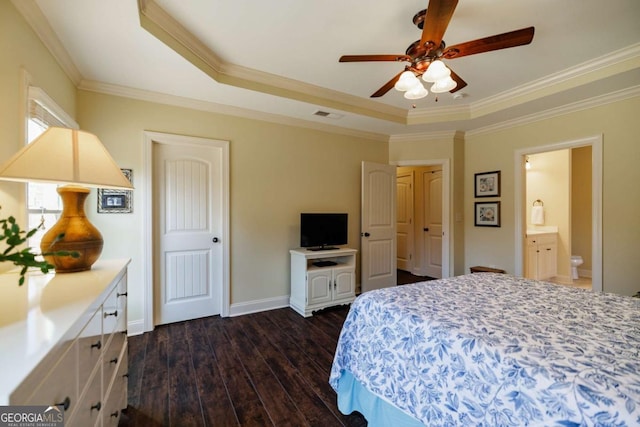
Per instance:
x=114, y=360
x=97, y=407
x=115, y=313
x=97, y=345
x=115, y=414
x=124, y=294
x=65, y=403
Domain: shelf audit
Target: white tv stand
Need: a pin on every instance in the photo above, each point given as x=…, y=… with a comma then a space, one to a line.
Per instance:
x=314, y=287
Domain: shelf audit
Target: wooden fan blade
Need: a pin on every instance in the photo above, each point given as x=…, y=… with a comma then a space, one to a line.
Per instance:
x=436, y=21
x=387, y=86
x=461, y=83
x=363, y=58
x=499, y=41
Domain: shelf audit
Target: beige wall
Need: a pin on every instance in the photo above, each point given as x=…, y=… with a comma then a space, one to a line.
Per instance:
x=276, y=172
x=620, y=127
x=22, y=57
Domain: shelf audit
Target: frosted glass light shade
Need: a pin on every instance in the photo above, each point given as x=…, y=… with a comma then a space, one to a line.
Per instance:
x=416, y=92
x=444, y=85
x=65, y=156
x=436, y=71
x=406, y=81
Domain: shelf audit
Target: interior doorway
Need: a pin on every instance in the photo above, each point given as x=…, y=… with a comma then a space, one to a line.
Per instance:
x=419, y=220
x=423, y=225
x=595, y=209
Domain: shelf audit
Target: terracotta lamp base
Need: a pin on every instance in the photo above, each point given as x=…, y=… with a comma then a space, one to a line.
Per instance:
x=79, y=234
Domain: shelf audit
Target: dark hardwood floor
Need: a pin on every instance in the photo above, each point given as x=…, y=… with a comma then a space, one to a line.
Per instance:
x=263, y=369
x=404, y=278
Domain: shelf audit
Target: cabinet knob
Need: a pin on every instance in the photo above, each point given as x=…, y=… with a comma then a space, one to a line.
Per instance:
x=114, y=313
x=65, y=403
x=426, y=229
x=97, y=406
x=114, y=360
x=97, y=345
x=215, y=240
x=365, y=234
x=124, y=294
x=115, y=414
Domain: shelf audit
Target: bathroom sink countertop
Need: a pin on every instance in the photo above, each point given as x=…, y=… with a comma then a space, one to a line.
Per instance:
x=542, y=230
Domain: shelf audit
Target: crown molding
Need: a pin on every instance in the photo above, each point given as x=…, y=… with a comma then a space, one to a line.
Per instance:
x=39, y=24
x=163, y=26
x=169, y=31
x=211, y=107
x=610, y=64
x=596, y=101
x=448, y=135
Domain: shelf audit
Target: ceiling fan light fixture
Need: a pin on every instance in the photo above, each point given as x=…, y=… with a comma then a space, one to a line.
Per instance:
x=416, y=92
x=436, y=71
x=444, y=85
x=406, y=82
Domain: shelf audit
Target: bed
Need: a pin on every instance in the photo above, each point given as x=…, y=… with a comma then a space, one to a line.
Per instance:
x=490, y=350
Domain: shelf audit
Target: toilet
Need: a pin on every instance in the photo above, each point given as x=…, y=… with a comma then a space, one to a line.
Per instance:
x=576, y=260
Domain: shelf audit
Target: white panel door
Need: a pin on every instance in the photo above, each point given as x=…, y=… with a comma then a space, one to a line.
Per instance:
x=432, y=185
x=404, y=221
x=378, y=226
x=188, y=258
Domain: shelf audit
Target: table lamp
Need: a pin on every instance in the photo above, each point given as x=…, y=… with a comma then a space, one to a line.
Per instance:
x=78, y=160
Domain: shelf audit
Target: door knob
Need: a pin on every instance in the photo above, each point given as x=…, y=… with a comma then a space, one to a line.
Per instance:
x=215, y=240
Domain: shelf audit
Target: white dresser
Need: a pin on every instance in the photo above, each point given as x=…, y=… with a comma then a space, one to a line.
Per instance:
x=63, y=341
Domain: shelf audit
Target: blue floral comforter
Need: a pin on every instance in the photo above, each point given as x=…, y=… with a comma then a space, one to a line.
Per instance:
x=494, y=350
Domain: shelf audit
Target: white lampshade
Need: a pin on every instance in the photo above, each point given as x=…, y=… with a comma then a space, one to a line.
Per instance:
x=406, y=81
x=78, y=159
x=65, y=156
x=436, y=71
x=416, y=92
x=444, y=85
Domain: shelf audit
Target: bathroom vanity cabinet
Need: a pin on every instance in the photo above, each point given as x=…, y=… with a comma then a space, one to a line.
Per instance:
x=542, y=256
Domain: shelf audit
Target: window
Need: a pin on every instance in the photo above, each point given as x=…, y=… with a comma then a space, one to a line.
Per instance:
x=43, y=203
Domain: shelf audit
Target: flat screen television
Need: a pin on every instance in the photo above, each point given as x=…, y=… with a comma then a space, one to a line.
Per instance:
x=323, y=231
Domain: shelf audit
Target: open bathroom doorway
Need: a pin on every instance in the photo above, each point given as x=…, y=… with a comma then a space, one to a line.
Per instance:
x=564, y=181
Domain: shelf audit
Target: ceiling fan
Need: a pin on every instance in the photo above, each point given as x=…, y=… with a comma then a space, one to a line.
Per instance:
x=428, y=52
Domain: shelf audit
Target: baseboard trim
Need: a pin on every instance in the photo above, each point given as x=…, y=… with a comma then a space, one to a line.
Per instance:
x=135, y=327
x=256, y=306
x=584, y=273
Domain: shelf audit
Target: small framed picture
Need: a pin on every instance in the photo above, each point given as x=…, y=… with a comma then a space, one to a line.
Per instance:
x=487, y=214
x=116, y=201
x=487, y=184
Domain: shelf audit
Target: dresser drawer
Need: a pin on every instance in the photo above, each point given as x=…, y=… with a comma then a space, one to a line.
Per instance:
x=90, y=406
x=58, y=387
x=111, y=312
x=112, y=356
x=116, y=399
x=90, y=347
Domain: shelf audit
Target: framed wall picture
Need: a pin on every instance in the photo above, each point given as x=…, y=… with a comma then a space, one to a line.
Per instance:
x=116, y=201
x=487, y=184
x=487, y=214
